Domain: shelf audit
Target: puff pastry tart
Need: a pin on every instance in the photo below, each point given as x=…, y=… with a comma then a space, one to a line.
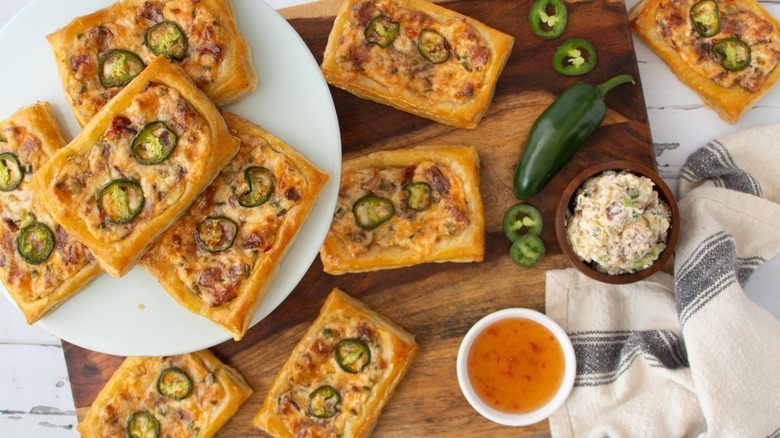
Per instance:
x=417, y=57
x=219, y=259
x=40, y=264
x=97, y=54
x=726, y=51
x=187, y=395
x=404, y=207
x=136, y=166
x=340, y=375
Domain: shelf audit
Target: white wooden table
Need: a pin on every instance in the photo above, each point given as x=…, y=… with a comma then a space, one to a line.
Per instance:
x=35, y=394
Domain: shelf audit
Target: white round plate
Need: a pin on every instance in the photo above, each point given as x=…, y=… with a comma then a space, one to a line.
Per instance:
x=134, y=316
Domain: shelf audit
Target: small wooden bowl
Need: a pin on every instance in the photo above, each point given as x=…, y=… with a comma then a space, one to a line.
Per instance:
x=567, y=202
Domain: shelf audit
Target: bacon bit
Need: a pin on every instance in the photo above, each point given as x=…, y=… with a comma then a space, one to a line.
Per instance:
x=119, y=125
x=292, y=194
x=176, y=240
x=255, y=240
x=363, y=12
x=412, y=34
x=61, y=237
x=365, y=333
x=479, y=55
x=76, y=61
x=440, y=182
x=321, y=347
x=152, y=12
x=408, y=172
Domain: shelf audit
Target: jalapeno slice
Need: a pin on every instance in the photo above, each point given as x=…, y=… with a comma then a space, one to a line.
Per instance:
x=418, y=195
x=142, y=425
x=371, y=211
x=352, y=355
x=11, y=172
x=382, y=31
x=174, y=383
x=166, y=38
x=574, y=57
x=154, y=143
x=522, y=219
x=734, y=53
x=527, y=250
x=323, y=402
x=34, y=243
x=118, y=67
x=120, y=200
x=261, y=184
x=433, y=46
x=705, y=17
x=548, y=18
x=216, y=234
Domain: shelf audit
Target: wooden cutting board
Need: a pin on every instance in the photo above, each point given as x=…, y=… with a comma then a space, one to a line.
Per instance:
x=439, y=302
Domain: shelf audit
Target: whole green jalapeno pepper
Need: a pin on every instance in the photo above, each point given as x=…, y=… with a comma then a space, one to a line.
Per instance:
x=559, y=131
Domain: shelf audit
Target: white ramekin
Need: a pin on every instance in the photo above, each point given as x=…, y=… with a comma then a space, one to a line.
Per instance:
x=529, y=417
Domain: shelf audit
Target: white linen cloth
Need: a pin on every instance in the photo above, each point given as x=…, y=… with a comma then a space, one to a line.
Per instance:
x=689, y=355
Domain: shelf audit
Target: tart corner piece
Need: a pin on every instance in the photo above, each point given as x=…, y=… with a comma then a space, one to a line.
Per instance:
x=262, y=197
x=42, y=266
x=191, y=394
x=407, y=206
x=347, y=346
x=202, y=37
x=728, y=87
x=417, y=57
x=136, y=166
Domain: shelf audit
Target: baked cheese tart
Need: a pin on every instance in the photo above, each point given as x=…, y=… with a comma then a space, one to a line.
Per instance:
x=726, y=51
x=340, y=375
x=417, y=57
x=189, y=395
x=41, y=265
x=403, y=207
x=136, y=166
x=219, y=259
x=99, y=53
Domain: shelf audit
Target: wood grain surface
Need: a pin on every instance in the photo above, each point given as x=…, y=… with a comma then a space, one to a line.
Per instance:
x=439, y=302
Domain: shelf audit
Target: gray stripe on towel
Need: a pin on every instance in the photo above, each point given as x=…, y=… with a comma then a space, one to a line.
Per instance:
x=603, y=356
x=709, y=270
x=714, y=162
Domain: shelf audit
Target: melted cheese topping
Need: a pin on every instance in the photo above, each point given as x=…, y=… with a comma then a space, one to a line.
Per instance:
x=20, y=207
x=218, y=277
x=79, y=180
x=315, y=365
x=205, y=35
x=674, y=25
x=418, y=231
x=401, y=68
x=179, y=418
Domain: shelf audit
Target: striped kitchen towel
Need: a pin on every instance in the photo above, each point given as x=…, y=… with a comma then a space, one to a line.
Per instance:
x=689, y=355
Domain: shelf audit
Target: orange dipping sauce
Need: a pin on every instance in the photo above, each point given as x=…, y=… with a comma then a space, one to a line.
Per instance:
x=515, y=365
